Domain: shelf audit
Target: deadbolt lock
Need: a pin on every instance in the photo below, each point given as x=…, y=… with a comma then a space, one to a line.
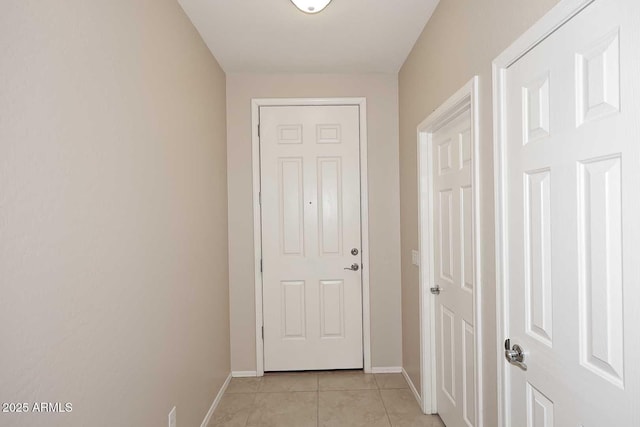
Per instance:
x=354, y=251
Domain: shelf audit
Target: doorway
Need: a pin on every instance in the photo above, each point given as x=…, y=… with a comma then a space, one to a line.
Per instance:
x=450, y=286
x=310, y=219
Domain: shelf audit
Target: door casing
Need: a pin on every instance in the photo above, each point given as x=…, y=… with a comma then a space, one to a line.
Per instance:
x=549, y=23
x=465, y=99
x=256, y=103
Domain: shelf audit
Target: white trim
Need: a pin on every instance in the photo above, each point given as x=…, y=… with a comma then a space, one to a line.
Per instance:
x=257, y=234
x=216, y=402
x=465, y=99
x=386, y=370
x=412, y=387
x=244, y=374
x=364, y=206
x=549, y=23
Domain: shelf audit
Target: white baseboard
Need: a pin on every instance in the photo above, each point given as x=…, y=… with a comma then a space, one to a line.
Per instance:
x=413, y=388
x=216, y=401
x=386, y=370
x=244, y=374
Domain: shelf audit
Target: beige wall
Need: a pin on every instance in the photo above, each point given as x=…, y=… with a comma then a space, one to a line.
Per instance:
x=384, y=214
x=460, y=41
x=113, y=214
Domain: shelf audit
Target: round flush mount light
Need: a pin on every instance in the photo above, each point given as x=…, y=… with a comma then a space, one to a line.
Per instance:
x=311, y=6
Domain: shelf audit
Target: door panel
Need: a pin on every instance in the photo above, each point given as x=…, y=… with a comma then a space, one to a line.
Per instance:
x=572, y=175
x=600, y=254
x=293, y=310
x=310, y=192
x=453, y=233
x=537, y=279
x=466, y=237
x=292, y=211
x=448, y=351
x=332, y=309
x=539, y=409
x=469, y=374
x=445, y=223
x=330, y=193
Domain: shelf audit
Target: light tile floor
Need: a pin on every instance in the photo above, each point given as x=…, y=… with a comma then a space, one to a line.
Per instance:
x=331, y=399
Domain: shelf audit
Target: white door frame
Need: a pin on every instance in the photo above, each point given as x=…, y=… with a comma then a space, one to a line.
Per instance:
x=256, y=103
x=554, y=19
x=465, y=99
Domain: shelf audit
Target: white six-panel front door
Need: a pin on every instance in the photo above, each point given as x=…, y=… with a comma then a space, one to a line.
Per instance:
x=572, y=191
x=453, y=261
x=310, y=195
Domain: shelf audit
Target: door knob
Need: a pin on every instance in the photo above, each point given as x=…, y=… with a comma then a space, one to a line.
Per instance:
x=354, y=267
x=514, y=355
x=435, y=290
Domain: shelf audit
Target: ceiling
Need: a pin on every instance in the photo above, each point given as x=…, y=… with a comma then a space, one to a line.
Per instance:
x=349, y=36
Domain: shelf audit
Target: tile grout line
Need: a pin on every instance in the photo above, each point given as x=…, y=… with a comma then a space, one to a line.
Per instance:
x=255, y=400
x=253, y=405
x=385, y=407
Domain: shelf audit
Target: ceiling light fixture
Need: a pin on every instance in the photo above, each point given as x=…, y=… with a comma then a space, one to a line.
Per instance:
x=311, y=6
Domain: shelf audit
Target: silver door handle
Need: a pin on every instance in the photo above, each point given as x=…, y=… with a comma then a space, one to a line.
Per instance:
x=354, y=267
x=514, y=355
x=435, y=290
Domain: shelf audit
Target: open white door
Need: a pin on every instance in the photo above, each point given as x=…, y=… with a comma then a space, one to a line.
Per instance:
x=450, y=285
x=569, y=223
x=311, y=237
x=454, y=265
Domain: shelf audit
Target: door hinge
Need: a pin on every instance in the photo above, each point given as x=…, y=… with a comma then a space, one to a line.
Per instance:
x=258, y=130
x=263, y=333
x=260, y=198
x=261, y=265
